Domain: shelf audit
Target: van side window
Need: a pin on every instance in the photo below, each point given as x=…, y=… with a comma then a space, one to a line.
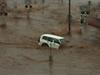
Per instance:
x=50, y=39
x=56, y=41
x=47, y=38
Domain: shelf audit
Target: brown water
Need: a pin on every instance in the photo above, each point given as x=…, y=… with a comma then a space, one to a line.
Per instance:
x=21, y=55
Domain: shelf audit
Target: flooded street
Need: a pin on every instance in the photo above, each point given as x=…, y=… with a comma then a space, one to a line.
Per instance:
x=20, y=53
x=75, y=59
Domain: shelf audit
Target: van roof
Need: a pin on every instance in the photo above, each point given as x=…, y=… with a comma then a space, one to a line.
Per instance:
x=53, y=36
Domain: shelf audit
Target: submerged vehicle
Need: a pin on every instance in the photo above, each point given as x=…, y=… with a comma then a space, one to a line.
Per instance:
x=50, y=40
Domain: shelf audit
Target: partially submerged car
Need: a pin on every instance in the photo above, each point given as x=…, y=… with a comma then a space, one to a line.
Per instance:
x=50, y=40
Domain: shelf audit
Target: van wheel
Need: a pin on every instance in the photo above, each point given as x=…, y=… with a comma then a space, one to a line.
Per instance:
x=45, y=45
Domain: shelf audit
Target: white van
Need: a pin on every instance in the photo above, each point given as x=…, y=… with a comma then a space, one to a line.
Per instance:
x=51, y=41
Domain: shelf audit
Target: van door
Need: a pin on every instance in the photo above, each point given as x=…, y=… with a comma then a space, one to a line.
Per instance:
x=55, y=44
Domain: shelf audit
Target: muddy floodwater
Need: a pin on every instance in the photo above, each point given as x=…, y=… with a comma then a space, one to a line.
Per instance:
x=20, y=53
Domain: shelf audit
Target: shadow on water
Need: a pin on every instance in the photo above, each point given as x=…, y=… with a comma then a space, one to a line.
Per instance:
x=28, y=17
x=51, y=68
x=28, y=13
x=51, y=61
x=29, y=20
